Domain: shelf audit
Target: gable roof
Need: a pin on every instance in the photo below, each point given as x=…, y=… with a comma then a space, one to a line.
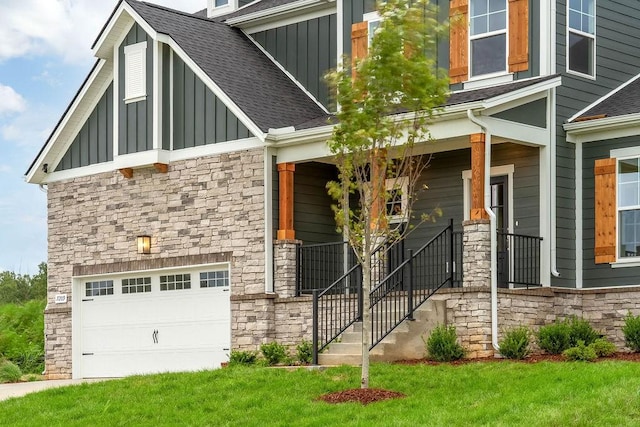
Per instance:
x=253, y=82
x=622, y=101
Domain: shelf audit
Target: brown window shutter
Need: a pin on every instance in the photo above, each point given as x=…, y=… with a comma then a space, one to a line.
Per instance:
x=359, y=44
x=518, y=35
x=605, y=211
x=459, y=43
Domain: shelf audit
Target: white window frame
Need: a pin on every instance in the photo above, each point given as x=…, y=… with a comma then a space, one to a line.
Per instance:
x=471, y=38
x=135, y=72
x=623, y=154
x=582, y=33
x=371, y=18
x=619, y=209
x=400, y=183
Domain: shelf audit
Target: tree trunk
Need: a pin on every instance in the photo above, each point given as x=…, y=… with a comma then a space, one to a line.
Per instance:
x=366, y=320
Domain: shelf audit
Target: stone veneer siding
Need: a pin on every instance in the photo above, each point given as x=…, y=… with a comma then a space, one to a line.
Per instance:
x=469, y=310
x=207, y=206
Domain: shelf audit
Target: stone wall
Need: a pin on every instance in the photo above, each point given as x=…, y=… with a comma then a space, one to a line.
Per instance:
x=212, y=205
x=469, y=309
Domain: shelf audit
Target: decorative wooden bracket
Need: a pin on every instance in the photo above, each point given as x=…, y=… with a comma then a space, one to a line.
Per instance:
x=126, y=172
x=161, y=167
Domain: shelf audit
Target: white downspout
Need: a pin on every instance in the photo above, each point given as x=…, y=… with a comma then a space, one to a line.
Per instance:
x=492, y=222
x=552, y=190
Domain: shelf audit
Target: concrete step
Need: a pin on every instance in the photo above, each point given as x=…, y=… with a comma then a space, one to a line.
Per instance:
x=327, y=359
x=405, y=342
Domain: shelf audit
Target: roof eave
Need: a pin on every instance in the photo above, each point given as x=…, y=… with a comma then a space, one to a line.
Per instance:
x=592, y=130
x=276, y=13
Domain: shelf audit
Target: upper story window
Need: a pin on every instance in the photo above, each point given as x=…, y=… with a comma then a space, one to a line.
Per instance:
x=135, y=72
x=373, y=21
x=581, y=36
x=488, y=40
x=220, y=3
x=488, y=36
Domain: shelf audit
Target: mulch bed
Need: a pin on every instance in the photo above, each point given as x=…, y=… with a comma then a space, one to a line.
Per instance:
x=361, y=395
x=371, y=395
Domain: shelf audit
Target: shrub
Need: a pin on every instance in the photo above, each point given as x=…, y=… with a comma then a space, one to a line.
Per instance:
x=274, y=353
x=9, y=372
x=631, y=330
x=581, y=330
x=304, y=352
x=554, y=338
x=603, y=347
x=515, y=344
x=442, y=344
x=245, y=358
x=22, y=335
x=580, y=352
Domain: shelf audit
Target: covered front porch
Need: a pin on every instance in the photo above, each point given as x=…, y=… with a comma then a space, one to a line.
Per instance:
x=488, y=175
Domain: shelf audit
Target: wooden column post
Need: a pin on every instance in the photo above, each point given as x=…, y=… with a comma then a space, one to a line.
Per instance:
x=285, y=174
x=477, y=176
x=378, y=187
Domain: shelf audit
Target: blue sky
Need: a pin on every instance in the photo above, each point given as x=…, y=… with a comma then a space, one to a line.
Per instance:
x=44, y=57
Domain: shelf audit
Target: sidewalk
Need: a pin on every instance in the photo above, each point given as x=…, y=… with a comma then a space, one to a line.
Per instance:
x=8, y=391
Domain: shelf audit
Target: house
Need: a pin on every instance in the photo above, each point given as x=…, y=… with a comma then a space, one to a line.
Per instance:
x=187, y=207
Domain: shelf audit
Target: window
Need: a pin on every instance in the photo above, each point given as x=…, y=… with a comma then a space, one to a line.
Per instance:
x=373, y=22
x=629, y=207
x=175, y=282
x=135, y=72
x=214, y=279
x=488, y=36
x=220, y=3
x=581, y=36
x=136, y=286
x=102, y=288
x=397, y=199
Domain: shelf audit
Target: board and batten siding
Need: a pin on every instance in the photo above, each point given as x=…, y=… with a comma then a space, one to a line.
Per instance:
x=446, y=191
x=199, y=117
x=305, y=49
x=94, y=143
x=313, y=217
x=617, y=55
x=135, y=119
x=600, y=275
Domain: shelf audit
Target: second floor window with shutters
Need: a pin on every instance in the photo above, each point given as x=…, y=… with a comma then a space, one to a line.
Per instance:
x=135, y=72
x=581, y=36
x=488, y=36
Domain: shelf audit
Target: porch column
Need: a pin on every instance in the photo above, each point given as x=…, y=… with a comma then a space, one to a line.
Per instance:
x=477, y=176
x=378, y=187
x=285, y=268
x=285, y=174
x=476, y=253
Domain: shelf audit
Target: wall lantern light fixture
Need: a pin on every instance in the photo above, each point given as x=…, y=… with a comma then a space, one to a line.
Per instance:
x=144, y=244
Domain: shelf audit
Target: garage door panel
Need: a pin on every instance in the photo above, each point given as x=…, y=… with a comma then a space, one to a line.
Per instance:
x=157, y=331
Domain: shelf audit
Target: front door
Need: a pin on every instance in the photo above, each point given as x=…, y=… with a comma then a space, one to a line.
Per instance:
x=499, y=206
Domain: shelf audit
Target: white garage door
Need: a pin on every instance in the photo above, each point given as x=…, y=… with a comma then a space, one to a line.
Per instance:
x=169, y=321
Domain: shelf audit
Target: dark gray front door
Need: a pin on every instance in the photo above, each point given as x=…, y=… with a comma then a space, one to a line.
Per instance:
x=499, y=206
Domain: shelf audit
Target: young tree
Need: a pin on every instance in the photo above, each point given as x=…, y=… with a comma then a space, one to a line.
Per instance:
x=386, y=101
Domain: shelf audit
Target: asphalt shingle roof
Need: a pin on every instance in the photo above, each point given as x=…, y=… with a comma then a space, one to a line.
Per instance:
x=259, y=88
x=481, y=94
x=624, y=101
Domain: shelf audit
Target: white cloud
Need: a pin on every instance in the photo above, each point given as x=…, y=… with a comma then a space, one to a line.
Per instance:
x=64, y=28
x=10, y=100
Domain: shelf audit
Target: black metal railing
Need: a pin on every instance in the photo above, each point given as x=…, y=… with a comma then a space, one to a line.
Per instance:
x=457, y=259
x=321, y=265
x=336, y=308
x=408, y=286
x=518, y=259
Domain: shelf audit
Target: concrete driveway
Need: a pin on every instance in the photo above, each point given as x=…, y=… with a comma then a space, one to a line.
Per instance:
x=8, y=391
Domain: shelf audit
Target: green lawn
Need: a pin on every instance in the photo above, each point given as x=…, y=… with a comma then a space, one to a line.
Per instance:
x=508, y=394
